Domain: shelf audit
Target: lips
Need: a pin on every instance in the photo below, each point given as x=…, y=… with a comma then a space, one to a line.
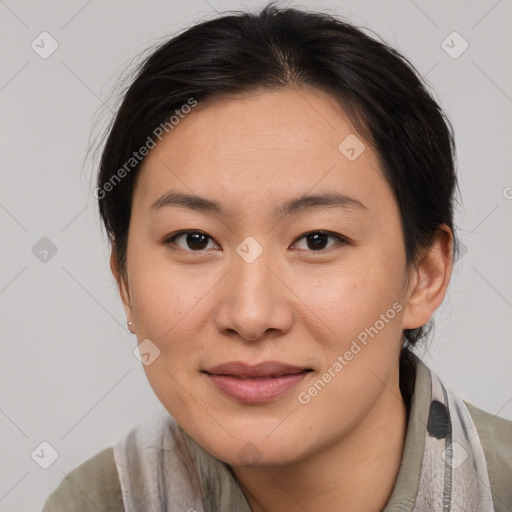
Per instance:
x=256, y=384
x=268, y=369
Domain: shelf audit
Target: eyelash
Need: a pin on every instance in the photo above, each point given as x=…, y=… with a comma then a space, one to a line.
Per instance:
x=170, y=240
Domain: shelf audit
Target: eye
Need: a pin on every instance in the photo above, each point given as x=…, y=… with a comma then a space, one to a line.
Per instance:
x=196, y=241
x=317, y=240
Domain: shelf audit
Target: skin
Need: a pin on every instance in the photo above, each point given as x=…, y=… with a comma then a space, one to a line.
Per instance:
x=295, y=304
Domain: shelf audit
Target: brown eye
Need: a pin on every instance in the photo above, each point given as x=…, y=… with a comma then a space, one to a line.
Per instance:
x=195, y=241
x=318, y=240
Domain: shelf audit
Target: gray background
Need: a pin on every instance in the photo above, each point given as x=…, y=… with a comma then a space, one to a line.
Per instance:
x=68, y=374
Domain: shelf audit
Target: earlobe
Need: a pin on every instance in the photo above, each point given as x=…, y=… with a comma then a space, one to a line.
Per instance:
x=429, y=280
x=130, y=326
x=123, y=290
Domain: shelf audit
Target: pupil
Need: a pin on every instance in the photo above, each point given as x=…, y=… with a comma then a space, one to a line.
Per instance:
x=197, y=240
x=318, y=239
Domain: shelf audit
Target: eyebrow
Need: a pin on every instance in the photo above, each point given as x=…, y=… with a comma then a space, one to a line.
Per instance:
x=290, y=207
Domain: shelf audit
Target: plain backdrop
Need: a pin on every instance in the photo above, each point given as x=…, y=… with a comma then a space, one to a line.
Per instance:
x=68, y=374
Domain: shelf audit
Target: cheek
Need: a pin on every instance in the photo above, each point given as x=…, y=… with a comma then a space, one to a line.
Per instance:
x=167, y=299
x=347, y=298
x=168, y=308
x=360, y=351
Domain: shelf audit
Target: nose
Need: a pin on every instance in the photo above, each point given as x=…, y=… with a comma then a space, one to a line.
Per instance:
x=255, y=302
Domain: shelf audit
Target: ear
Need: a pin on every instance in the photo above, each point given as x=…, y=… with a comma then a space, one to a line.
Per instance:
x=429, y=280
x=122, y=284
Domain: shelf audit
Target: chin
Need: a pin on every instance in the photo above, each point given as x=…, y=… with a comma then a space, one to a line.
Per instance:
x=255, y=450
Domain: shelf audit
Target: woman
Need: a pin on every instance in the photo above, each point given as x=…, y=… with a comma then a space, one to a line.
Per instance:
x=278, y=191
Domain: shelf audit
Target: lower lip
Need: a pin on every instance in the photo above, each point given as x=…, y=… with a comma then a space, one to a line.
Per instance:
x=259, y=390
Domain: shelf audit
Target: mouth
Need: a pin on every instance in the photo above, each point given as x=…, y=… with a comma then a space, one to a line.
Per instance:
x=256, y=383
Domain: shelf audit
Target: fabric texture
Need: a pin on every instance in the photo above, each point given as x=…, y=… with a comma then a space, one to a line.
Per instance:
x=456, y=458
x=92, y=487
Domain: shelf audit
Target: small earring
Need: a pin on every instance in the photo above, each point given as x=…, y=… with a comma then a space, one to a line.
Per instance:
x=130, y=327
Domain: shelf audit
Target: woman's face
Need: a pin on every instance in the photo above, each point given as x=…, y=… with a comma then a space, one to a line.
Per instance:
x=255, y=281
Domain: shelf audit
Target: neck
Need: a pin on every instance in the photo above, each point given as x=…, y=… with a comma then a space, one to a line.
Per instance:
x=355, y=473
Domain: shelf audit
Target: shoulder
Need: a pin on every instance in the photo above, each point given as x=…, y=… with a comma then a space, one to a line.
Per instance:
x=92, y=486
x=495, y=434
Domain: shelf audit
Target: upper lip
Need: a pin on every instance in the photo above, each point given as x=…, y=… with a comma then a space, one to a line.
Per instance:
x=265, y=369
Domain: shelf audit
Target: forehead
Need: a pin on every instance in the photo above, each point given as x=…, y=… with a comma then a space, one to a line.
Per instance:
x=263, y=147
